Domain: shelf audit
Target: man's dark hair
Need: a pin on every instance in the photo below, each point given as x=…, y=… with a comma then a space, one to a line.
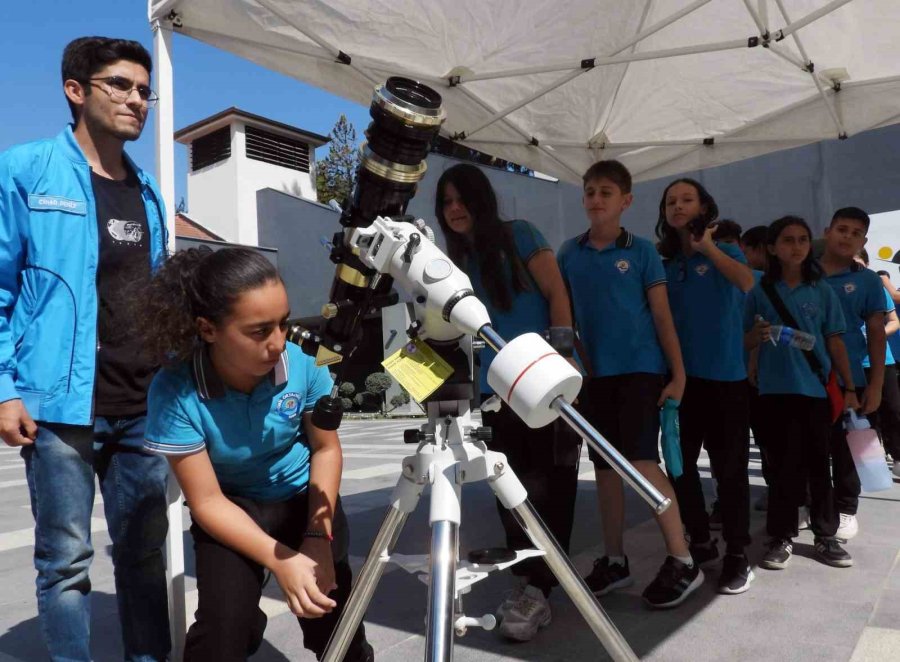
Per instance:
x=853, y=213
x=85, y=56
x=612, y=170
x=727, y=230
x=864, y=256
x=755, y=236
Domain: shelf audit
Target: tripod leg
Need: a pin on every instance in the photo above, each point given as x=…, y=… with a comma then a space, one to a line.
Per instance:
x=574, y=586
x=512, y=495
x=406, y=495
x=442, y=591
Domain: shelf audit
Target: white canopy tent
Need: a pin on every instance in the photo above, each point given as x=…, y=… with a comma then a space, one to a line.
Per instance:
x=666, y=86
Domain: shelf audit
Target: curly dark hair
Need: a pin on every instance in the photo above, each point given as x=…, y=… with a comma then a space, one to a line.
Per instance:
x=197, y=282
x=494, y=247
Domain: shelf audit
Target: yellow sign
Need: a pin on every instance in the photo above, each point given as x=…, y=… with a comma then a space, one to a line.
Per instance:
x=418, y=369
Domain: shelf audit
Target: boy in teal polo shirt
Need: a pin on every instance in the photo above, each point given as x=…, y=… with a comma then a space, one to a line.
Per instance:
x=862, y=298
x=618, y=290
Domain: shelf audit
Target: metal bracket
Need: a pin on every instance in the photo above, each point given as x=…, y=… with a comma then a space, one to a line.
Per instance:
x=709, y=142
x=343, y=58
x=453, y=81
x=588, y=63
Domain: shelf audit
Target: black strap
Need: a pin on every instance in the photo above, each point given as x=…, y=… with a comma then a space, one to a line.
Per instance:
x=786, y=317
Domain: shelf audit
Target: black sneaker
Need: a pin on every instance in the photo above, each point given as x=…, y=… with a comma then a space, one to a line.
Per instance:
x=673, y=584
x=715, y=517
x=705, y=553
x=606, y=576
x=780, y=551
x=736, y=574
x=829, y=552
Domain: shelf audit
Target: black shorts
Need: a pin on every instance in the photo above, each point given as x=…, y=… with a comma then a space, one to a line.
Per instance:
x=623, y=409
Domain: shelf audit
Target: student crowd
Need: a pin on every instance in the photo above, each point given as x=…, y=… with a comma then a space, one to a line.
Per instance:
x=91, y=305
x=688, y=318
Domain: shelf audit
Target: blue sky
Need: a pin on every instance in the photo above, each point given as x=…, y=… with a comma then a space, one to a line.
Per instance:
x=207, y=80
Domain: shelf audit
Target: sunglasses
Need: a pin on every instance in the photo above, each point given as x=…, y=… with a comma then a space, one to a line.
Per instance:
x=120, y=88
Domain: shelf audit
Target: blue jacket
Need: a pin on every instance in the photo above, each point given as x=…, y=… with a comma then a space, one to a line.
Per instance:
x=48, y=276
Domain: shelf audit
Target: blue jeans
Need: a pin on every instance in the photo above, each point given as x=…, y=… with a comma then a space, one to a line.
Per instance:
x=60, y=468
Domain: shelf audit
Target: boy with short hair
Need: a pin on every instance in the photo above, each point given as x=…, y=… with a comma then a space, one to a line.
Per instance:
x=618, y=290
x=727, y=232
x=753, y=243
x=862, y=298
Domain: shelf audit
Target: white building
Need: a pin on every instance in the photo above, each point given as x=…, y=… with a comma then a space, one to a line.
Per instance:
x=234, y=154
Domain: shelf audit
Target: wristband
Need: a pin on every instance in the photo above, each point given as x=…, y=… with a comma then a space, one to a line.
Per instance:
x=319, y=534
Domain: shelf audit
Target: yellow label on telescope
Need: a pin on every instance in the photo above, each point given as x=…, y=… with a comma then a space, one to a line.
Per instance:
x=418, y=369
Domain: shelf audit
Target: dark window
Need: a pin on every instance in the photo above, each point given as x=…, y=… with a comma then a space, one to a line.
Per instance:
x=276, y=149
x=211, y=148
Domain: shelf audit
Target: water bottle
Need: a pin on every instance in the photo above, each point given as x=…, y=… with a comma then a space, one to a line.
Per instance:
x=671, y=438
x=790, y=337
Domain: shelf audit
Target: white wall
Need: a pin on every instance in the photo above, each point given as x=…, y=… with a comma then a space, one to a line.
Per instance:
x=213, y=198
x=884, y=244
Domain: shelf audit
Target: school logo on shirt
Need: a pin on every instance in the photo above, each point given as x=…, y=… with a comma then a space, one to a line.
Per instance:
x=288, y=405
x=849, y=288
x=810, y=310
x=701, y=269
x=623, y=266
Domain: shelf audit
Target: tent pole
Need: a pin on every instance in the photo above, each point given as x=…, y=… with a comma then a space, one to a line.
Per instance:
x=616, y=59
x=791, y=28
x=165, y=176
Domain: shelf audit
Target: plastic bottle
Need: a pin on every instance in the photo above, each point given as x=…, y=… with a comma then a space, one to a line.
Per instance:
x=790, y=337
x=671, y=438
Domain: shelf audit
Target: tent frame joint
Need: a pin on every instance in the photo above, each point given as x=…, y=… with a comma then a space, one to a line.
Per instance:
x=453, y=81
x=175, y=19
x=534, y=141
x=709, y=142
x=753, y=42
x=343, y=58
x=588, y=63
x=461, y=135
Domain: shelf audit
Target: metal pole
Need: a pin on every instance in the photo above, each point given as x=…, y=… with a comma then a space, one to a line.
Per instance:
x=365, y=585
x=623, y=467
x=441, y=591
x=574, y=586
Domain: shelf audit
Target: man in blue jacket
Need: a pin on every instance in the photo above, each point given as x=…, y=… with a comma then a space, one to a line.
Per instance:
x=80, y=226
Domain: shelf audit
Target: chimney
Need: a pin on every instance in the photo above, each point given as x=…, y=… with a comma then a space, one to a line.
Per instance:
x=234, y=154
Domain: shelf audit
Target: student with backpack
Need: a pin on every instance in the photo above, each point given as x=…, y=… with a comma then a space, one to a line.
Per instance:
x=798, y=397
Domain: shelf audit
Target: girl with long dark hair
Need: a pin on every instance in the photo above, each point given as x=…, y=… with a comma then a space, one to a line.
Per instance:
x=792, y=398
x=706, y=285
x=514, y=272
x=231, y=412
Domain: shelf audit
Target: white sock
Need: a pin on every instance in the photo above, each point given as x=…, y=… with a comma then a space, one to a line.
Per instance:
x=617, y=560
x=687, y=560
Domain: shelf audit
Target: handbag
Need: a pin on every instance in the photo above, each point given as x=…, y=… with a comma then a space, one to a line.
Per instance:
x=832, y=389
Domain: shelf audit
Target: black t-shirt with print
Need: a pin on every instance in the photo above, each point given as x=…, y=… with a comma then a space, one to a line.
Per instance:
x=123, y=373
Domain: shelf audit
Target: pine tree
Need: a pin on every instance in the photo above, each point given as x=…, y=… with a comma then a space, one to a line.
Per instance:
x=336, y=173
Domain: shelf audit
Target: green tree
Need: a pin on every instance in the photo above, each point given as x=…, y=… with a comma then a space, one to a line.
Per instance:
x=399, y=400
x=336, y=173
x=346, y=404
x=347, y=389
x=378, y=383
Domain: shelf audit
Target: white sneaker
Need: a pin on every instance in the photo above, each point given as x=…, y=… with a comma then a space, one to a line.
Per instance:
x=526, y=616
x=511, y=598
x=803, y=521
x=848, y=528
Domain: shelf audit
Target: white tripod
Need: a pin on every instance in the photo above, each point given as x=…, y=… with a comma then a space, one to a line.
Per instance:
x=538, y=385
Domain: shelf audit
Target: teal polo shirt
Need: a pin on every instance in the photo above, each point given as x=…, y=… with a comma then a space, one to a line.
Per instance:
x=256, y=441
x=815, y=307
x=530, y=311
x=861, y=294
x=608, y=289
x=708, y=310
x=891, y=348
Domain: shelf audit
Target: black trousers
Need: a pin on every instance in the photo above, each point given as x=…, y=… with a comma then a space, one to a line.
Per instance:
x=756, y=424
x=798, y=429
x=229, y=623
x=546, y=461
x=843, y=470
x=714, y=415
x=888, y=420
